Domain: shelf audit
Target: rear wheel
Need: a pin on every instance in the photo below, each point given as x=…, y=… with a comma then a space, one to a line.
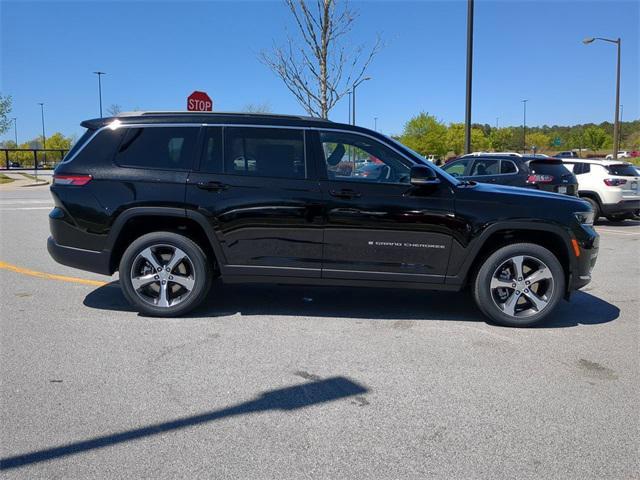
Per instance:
x=164, y=274
x=595, y=205
x=519, y=285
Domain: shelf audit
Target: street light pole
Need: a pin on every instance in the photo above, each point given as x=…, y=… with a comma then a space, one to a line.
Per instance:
x=44, y=140
x=353, y=98
x=15, y=130
x=616, y=121
x=620, y=129
x=99, y=74
x=467, y=113
x=349, y=93
x=375, y=123
x=524, y=126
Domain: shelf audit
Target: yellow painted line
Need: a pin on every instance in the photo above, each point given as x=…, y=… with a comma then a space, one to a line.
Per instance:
x=49, y=276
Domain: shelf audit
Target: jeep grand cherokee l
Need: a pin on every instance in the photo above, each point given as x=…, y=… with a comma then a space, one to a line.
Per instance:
x=172, y=200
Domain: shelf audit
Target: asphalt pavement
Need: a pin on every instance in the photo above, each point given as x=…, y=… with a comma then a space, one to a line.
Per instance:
x=281, y=382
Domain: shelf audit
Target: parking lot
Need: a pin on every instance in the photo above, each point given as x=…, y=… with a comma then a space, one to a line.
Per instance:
x=310, y=382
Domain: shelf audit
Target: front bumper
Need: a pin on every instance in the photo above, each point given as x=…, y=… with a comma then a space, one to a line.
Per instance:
x=588, y=244
x=89, y=260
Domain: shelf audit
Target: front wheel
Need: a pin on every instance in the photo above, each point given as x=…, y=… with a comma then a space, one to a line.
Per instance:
x=519, y=285
x=164, y=274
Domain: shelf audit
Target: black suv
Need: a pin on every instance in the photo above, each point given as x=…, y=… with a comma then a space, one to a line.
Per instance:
x=172, y=200
x=548, y=174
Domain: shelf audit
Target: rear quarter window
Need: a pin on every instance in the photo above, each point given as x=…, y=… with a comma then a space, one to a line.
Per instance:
x=622, y=170
x=97, y=151
x=162, y=148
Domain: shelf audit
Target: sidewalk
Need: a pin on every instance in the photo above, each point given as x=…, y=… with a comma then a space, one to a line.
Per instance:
x=21, y=181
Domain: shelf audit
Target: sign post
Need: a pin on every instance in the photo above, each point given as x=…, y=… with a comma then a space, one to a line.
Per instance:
x=199, y=102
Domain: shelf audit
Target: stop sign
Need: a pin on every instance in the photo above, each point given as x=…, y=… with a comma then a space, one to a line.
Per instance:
x=199, y=102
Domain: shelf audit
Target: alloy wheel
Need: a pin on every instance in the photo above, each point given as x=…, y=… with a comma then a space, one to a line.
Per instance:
x=522, y=286
x=163, y=275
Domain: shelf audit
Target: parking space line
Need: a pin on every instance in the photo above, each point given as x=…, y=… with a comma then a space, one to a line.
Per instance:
x=618, y=232
x=24, y=208
x=50, y=276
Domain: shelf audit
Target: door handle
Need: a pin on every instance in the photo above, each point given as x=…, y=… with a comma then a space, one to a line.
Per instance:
x=213, y=186
x=345, y=193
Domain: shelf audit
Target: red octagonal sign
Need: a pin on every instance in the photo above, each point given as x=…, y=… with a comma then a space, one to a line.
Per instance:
x=199, y=102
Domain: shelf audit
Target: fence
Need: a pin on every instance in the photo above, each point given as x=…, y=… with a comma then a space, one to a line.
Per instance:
x=31, y=158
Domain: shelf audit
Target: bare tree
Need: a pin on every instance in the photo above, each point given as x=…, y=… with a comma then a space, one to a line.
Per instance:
x=257, y=108
x=114, y=109
x=316, y=67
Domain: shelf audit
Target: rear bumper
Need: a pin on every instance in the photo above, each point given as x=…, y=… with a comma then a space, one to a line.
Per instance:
x=624, y=206
x=89, y=260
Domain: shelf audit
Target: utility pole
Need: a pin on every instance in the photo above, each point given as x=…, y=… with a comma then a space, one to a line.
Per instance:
x=15, y=129
x=44, y=140
x=467, y=114
x=375, y=123
x=99, y=74
x=353, y=97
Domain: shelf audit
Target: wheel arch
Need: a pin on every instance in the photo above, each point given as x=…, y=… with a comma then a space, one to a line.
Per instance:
x=137, y=221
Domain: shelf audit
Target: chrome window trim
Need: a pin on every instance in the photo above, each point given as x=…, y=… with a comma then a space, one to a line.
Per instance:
x=247, y=125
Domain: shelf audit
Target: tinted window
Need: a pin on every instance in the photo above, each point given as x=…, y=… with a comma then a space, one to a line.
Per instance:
x=456, y=168
x=507, y=166
x=165, y=148
x=264, y=152
x=81, y=141
x=549, y=168
x=622, y=170
x=101, y=149
x=355, y=157
x=485, y=167
x=212, y=155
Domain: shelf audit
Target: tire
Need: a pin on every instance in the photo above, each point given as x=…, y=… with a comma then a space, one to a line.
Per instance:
x=184, y=269
x=595, y=205
x=497, y=290
x=620, y=217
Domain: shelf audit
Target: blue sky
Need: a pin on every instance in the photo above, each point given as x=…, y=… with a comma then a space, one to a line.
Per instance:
x=155, y=53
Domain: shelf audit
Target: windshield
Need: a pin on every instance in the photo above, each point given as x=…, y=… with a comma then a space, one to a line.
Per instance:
x=622, y=170
x=423, y=160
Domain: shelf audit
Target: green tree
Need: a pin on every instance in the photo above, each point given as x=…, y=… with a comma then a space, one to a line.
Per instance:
x=455, y=139
x=595, y=138
x=5, y=110
x=426, y=135
x=503, y=139
x=538, y=140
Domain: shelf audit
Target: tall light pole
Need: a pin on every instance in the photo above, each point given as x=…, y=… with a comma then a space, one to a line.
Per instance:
x=375, y=124
x=353, y=98
x=620, y=129
x=616, y=122
x=349, y=93
x=467, y=112
x=99, y=74
x=15, y=130
x=44, y=139
x=497, y=119
x=524, y=126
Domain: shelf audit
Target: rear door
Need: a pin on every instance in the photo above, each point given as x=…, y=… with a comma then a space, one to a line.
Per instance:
x=485, y=170
x=256, y=188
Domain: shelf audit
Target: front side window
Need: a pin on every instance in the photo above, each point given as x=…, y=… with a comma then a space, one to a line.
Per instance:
x=264, y=152
x=354, y=157
x=485, y=167
x=457, y=168
x=163, y=148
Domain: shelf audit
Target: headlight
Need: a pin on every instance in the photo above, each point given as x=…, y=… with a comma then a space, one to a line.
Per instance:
x=585, y=218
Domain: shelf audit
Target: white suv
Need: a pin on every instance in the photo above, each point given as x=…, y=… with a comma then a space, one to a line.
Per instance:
x=611, y=187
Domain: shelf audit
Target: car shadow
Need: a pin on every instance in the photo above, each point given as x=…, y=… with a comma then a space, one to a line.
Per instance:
x=360, y=303
x=602, y=222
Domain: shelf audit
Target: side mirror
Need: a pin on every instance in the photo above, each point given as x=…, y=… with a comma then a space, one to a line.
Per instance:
x=422, y=175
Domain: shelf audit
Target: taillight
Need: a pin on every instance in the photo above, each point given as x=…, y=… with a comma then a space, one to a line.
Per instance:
x=71, y=179
x=538, y=178
x=614, y=182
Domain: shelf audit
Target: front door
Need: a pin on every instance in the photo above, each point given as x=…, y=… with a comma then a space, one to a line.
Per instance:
x=259, y=198
x=380, y=227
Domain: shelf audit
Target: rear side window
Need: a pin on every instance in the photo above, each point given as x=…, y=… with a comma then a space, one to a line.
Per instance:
x=507, y=166
x=163, y=148
x=99, y=150
x=212, y=155
x=76, y=146
x=264, y=152
x=485, y=167
x=549, y=168
x=622, y=170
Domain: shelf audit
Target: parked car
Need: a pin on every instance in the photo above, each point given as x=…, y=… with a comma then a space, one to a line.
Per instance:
x=173, y=200
x=610, y=186
x=14, y=165
x=621, y=154
x=548, y=174
x=567, y=154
